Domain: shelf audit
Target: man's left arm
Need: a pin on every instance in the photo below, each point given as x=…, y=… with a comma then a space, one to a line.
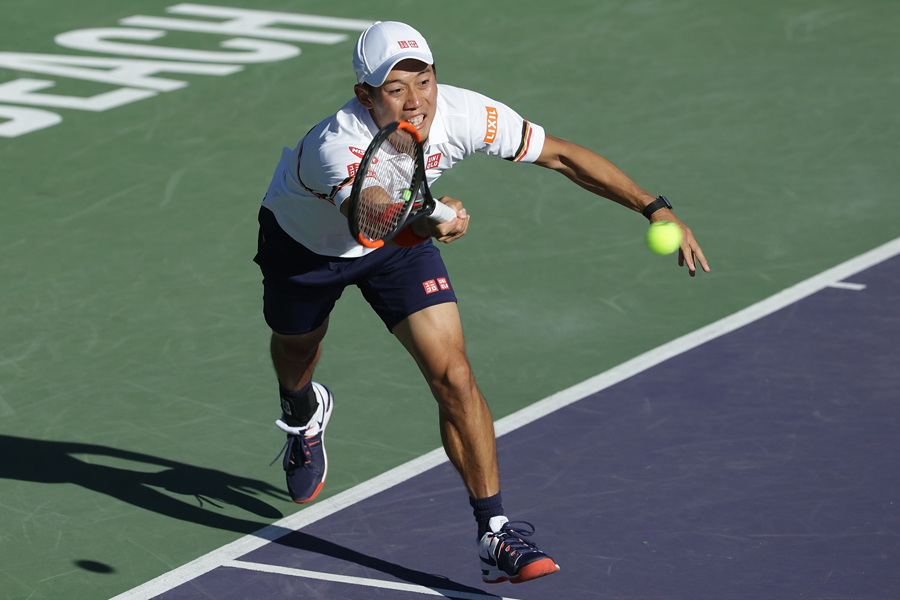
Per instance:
x=599, y=176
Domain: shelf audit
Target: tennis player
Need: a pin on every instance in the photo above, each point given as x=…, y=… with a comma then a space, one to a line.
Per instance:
x=308, y=257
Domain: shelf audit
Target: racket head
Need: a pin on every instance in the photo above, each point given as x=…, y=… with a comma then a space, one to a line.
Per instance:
x=386, y=185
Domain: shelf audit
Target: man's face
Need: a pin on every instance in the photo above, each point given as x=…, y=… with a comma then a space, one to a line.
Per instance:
x=408, y=94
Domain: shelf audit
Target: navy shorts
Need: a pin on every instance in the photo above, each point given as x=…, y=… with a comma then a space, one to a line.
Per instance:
x=301, y=287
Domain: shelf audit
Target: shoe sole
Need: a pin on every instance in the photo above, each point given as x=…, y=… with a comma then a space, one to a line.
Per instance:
x=315, y=493
x=538, y=568
x=324, y=453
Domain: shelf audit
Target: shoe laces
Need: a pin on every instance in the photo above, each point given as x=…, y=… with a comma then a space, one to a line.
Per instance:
x=290, y=450
x=511, y=534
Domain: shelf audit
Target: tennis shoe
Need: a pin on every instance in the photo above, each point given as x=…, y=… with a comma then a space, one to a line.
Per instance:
x=305, y=461
x=506, y=556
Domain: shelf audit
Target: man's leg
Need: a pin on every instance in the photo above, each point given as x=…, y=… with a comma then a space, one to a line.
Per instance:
x=295, y=356
x=306, y=407
x=434, y=338
x=300, y=289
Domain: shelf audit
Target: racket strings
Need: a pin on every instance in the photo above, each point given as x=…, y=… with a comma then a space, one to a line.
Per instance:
x=386, y=190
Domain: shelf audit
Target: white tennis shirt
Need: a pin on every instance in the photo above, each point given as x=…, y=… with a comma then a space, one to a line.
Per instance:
x=312, y=180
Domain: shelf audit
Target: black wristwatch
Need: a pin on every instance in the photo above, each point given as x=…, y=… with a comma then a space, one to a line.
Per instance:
x=654, y=206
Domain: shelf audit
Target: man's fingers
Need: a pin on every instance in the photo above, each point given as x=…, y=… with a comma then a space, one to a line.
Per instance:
x=454, y=229
x=690, y=254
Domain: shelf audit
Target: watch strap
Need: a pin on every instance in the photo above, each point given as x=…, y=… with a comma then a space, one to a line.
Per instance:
x=660, y=202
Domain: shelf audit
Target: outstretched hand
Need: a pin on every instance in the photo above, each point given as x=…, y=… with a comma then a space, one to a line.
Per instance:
x=690, y=252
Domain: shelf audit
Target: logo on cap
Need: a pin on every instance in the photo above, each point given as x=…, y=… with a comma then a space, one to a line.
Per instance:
x=382, y=46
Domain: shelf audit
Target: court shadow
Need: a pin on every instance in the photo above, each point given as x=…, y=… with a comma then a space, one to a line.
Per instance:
x=438, y=583
x=143, y=485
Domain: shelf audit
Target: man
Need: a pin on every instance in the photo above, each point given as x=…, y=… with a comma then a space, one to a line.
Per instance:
x=307, y=257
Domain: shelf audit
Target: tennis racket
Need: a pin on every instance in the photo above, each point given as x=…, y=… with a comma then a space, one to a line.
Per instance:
x=390, y=190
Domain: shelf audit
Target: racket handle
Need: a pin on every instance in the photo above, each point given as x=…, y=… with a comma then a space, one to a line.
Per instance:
x=442, y=213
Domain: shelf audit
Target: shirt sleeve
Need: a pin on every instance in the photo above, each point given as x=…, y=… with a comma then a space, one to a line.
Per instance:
x=498, y=130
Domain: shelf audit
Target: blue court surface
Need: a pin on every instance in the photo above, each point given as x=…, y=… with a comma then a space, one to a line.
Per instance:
x=758, y=463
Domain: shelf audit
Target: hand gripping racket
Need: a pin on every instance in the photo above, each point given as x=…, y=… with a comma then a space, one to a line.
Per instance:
x=390, y=190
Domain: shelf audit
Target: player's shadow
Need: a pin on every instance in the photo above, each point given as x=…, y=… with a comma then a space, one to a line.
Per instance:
x=143, y=485
x=438, y=583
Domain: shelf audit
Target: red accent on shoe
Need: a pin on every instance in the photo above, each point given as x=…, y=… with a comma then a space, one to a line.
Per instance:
x=538, y=568
x=313, y=497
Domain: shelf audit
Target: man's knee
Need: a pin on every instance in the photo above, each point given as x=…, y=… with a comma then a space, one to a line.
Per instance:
x=298, y=348
x=453, y=380
x=294, y=350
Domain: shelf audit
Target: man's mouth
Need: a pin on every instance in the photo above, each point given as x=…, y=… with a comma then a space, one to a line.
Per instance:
x=417, y=120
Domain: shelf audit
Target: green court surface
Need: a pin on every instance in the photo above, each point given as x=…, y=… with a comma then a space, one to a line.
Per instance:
x=137, y=402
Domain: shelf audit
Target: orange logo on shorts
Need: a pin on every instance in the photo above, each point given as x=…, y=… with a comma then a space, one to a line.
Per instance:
x=491, y=133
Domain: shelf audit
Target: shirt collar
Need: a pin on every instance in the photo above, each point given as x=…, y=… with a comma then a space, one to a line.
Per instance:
x=367, y=120
x=438, y=133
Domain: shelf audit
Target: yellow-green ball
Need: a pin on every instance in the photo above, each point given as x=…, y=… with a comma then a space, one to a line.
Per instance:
x=664, y=237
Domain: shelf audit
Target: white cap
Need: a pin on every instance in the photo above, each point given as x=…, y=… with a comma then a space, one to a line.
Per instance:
x=382, y=46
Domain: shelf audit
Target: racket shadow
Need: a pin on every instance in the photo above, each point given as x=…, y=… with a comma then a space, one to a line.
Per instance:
x=138, y=478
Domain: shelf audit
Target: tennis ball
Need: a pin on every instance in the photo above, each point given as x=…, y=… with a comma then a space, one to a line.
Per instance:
x=664, y=237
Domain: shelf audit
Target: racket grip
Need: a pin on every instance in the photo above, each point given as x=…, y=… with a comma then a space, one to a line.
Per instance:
x=442, y=213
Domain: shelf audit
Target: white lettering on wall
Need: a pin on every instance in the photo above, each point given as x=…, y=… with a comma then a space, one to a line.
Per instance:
x=136, y=75
x=21, y=91
x=251, y=23
x=96, y=40
x=25, y=120
x=117, y=71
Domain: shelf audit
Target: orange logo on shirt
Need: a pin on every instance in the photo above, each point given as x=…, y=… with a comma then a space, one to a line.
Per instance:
x=362, y=153
x=491, y=133
x=354, y=168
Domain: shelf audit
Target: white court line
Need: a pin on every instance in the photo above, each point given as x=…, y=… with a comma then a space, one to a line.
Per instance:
x=531, y=413
x=846, y=285
x=375, y=583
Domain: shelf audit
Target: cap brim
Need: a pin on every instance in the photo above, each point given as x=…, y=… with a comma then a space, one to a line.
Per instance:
x=378, y=76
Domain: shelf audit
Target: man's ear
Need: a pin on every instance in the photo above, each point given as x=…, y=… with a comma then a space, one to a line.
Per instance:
x=362, y=94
